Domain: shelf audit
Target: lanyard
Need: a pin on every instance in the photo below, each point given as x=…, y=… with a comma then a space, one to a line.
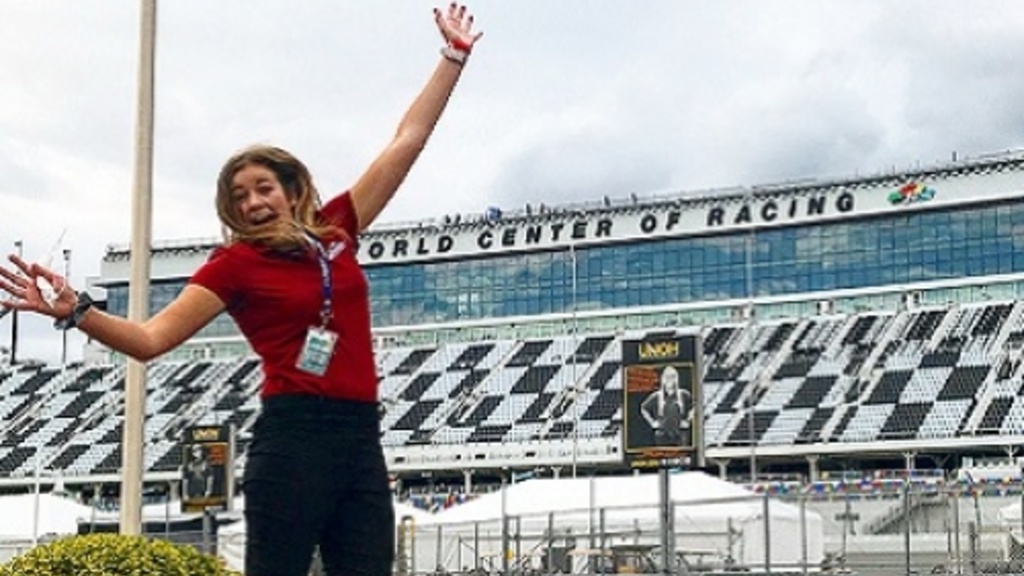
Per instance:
x=326, y=282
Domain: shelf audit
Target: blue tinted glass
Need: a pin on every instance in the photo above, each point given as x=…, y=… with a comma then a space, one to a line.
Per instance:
x=904, y=247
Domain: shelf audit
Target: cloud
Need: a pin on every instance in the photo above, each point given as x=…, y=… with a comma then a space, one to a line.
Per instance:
x=562, y=102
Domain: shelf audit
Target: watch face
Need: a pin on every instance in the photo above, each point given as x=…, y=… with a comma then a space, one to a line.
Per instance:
x=71, y=320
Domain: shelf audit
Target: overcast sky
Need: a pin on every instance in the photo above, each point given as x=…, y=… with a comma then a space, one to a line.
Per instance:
x=562, y=101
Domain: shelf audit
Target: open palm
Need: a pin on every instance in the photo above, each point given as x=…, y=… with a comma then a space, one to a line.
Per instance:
x=456, y=27
x=26, y=289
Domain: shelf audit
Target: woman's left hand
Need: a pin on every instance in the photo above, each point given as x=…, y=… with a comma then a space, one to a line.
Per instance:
x=456, y=27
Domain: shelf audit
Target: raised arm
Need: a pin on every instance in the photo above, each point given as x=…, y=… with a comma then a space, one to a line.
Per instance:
x=378, y=184
x=191, y=310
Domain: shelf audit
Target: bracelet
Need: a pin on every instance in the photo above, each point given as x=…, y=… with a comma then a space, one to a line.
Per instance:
x=455, y=55
x=77, y=313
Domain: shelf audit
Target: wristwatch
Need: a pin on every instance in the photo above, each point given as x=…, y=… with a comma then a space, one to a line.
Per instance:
x=71, y=320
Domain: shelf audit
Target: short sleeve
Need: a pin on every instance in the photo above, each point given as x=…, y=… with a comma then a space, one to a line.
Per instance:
x=219, y=275
x=342, y=212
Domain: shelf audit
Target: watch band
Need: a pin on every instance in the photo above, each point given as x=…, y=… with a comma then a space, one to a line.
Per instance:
x=71, y=320
x=455, y=55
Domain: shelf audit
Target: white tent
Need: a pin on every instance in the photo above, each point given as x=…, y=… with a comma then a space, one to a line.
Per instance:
x=231, y=545
x=1013, y=527
x=231, y=537
x=169, y=511
x=57, y=515
x=1009, y=516
x=715, y=521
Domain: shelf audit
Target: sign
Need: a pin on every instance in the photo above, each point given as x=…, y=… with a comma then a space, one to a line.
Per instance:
x=499, y=232
x=207, y=470
x=495, y=233
x=662, y=402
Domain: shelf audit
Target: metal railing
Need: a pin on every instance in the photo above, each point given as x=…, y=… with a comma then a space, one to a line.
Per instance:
x=916, y=529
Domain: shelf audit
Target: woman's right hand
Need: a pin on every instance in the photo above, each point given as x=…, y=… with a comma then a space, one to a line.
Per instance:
x=29, y=285
x=456, y=27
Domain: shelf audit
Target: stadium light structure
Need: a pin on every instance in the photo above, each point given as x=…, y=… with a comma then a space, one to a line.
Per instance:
x=575, y=346
x=64, y=333
x=19, y=248
x=751, y=330
x=138, y=283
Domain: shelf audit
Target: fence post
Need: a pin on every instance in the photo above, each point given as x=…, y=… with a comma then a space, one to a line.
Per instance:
x=667, y=538
x=767, y=536
x=847, y=519
x=976, y=554
x=956, y=534
x=207, y=530
x=592, y=503
x=412, y=548
x=476, y=547
x=519, y=543
x=950, y=531
x=803, y=534
x=972, y=531
x=504, y=530
x=906, y=525
x=1018, y=543
x=549, y=558
x=439, y=549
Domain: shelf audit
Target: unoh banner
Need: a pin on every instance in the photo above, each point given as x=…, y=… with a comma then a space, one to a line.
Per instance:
x=662, y=405
x=207, y=477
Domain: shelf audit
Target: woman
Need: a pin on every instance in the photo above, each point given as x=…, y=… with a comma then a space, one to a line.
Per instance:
x=667, y=411
x=288, y=275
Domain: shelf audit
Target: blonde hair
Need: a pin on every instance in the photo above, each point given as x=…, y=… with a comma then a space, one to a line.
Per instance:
x=295, y=179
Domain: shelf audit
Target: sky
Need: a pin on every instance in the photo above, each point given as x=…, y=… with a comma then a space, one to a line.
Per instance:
x=560, y=102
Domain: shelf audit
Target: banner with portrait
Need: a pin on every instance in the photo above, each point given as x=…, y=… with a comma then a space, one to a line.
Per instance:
x=207, y=471
x=662, y=403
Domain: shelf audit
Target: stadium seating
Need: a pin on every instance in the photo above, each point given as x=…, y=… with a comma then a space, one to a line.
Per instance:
x=928, y=373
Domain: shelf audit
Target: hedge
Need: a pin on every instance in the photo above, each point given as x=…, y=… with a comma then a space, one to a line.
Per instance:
x=114, y=555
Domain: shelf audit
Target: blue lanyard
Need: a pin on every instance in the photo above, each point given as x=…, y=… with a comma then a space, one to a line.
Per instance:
x=326, y=282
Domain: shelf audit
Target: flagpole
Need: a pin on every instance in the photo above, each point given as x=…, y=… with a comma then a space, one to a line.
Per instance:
x=138, y=286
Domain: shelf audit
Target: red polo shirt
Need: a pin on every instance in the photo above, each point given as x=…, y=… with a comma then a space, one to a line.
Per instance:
x=275, y=299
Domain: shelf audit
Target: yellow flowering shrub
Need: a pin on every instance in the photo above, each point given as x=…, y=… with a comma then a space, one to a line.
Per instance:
x=114, y=555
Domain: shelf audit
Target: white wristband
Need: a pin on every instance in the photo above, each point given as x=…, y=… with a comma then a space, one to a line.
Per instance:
x=455, y=55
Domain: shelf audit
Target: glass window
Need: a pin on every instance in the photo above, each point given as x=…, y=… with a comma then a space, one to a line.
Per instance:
x=904, y=247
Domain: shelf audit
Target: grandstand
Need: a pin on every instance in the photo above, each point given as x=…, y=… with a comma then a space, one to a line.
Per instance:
x=846, y=322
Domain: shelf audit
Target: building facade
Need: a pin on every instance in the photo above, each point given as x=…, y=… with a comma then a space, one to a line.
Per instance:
x=858, y=243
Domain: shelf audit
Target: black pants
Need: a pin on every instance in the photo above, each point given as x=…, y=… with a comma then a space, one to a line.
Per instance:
x=315, y=476
x=670, y=437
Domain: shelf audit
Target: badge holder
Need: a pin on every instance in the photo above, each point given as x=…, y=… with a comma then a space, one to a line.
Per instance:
x=317, y=350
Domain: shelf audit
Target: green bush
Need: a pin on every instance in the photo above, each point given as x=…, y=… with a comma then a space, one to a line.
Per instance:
x=114, y=555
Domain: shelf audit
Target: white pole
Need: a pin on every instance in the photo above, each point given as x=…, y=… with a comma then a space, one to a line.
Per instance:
x=138, y=287
x=35, y=504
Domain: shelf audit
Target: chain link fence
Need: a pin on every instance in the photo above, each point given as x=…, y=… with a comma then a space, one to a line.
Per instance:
x=900, y=531
x=925, y=528
x=912, y=529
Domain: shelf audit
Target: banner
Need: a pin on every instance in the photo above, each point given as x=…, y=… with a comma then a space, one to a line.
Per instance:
x=207, y=471
x=662, y=403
